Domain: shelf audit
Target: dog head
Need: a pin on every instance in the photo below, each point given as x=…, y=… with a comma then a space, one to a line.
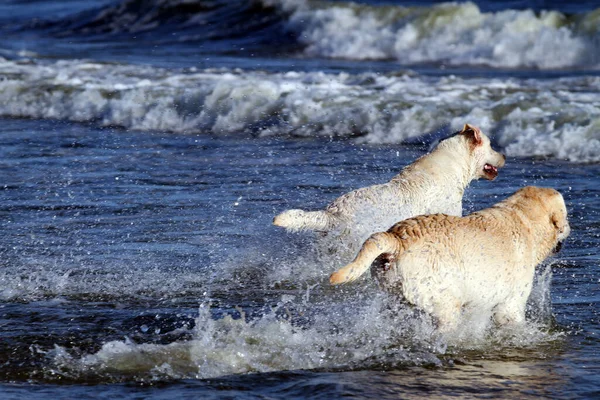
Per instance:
x=485, y=160
x=547, y=206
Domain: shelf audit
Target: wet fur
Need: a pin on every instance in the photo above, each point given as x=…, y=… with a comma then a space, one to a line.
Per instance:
x=434, y=183
x=443, y=263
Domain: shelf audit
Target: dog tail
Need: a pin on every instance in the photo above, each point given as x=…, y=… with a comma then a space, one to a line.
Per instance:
x=299, y=220
x=374, y=246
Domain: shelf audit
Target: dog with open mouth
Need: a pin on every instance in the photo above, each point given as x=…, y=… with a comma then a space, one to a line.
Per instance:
x=434, y=183
x=486, y=260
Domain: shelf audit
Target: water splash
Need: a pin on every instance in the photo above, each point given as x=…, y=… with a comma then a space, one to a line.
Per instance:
x=354, y=327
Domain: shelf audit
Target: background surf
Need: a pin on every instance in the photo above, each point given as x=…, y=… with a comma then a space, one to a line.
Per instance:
x=446, y=33
x=557, y=118
x=546, y=107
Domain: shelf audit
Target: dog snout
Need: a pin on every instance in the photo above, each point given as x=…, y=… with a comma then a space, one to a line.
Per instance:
x=566, y=231
x=502, y=160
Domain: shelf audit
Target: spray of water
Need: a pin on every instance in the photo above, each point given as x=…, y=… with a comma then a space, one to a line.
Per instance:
x=312, y=327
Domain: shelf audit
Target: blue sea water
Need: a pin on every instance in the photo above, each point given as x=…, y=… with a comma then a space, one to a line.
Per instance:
x=146, y=146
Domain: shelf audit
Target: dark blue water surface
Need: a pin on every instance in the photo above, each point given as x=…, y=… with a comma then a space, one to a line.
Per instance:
x=146, y=146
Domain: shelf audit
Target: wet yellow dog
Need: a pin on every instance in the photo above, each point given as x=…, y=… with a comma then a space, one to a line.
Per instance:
x=435, y=183
x=486, y=260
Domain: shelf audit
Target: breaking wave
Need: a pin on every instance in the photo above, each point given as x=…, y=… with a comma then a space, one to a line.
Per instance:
x=446, y=33
x=557, y=118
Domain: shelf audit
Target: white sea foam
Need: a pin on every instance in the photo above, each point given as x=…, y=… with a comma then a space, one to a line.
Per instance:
x=554, y=118
x=354, y=330
x=452, y=33
x=233, y=346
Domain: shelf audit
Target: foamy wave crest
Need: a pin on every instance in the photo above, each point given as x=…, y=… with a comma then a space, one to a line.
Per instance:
x=452, y=33
x=552, y=118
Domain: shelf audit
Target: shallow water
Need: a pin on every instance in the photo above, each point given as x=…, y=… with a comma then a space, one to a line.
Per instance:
x=147, y=262
x=146, y=146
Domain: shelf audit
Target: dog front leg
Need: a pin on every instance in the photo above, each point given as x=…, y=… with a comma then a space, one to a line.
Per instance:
x=447, y=313
x=509, y=313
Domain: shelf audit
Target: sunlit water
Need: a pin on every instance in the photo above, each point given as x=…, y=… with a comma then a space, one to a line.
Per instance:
x=146, y=146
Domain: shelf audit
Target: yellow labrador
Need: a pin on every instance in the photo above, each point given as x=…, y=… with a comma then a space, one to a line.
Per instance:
x=486, y=260
x=434, y=183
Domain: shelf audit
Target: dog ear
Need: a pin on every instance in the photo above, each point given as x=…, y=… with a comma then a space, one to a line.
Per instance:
x=555, y=221
x=558, y=212
x=558, y=221
x=473, y=133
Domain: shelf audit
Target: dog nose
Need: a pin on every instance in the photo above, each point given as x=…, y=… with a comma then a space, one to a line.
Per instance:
x=558, y=247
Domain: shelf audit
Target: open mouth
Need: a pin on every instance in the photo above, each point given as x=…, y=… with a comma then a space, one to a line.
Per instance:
x=491, y=171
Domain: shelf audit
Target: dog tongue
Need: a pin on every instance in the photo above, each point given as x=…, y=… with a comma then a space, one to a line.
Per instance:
x=490, y=168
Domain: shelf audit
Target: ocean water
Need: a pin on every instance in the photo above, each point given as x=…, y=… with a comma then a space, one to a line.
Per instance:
x=146, y=146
